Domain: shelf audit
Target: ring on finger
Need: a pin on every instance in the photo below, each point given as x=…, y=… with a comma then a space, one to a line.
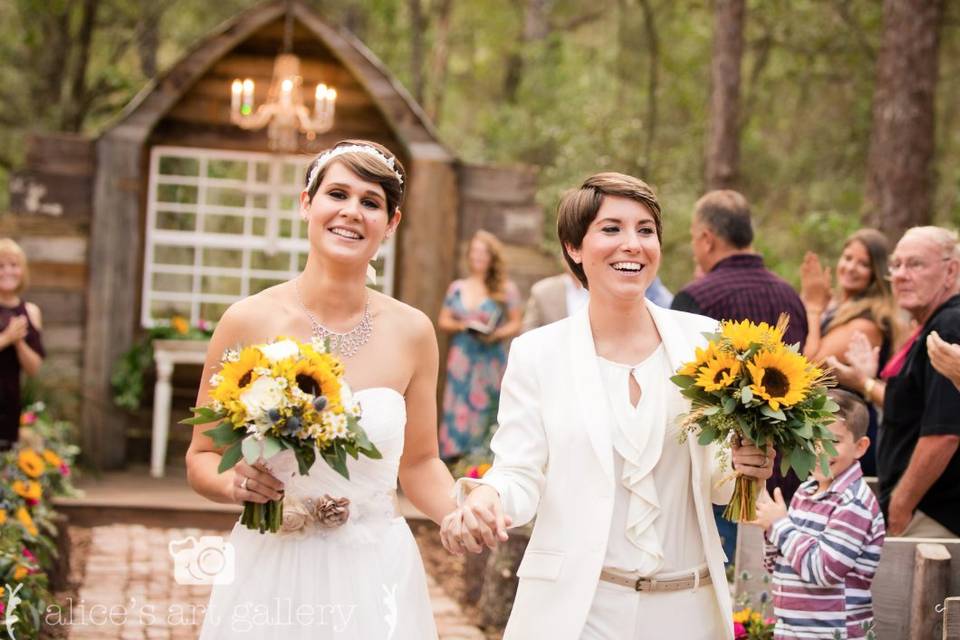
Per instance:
x=243, y=483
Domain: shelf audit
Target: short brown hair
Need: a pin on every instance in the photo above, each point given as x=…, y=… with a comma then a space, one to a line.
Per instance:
x=9, y=247
x=727, y=214
x=368, y=168
x=578, y=209
x=853, y=412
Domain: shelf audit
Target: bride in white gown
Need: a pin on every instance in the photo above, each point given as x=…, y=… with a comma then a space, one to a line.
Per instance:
x=345, y=564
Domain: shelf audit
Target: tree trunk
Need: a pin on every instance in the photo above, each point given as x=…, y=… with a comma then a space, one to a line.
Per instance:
x=899, y=190
x=536, y=28
x=723, y=144
x=75, y=100
x=653, y=76
x=439, y=61
x=418, y=25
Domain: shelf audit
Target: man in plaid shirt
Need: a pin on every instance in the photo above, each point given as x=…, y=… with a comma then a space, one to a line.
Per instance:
x=824, y=551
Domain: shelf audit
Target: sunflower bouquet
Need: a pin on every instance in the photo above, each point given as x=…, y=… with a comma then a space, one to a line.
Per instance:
x=282, y=395
x=747, y=384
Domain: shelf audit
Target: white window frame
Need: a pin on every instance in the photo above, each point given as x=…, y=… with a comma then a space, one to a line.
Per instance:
x=247, y=243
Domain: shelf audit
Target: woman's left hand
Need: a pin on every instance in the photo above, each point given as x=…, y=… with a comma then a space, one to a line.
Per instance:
x=750, y=460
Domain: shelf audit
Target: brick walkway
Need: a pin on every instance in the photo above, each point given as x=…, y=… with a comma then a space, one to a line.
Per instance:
x=129, y=591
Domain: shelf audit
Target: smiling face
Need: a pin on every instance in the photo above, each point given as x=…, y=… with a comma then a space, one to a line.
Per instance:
x=11, y=274
x=854, y=269
x=478, y=257
x=347, y=216
x=620, y=252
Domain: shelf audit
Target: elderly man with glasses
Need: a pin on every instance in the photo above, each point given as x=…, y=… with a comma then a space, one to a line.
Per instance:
x=917, y=457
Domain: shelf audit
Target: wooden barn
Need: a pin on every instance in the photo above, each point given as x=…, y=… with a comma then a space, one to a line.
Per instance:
x=175, y=210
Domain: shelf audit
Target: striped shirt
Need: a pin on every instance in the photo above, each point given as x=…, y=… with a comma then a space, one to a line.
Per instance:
x=823, y=557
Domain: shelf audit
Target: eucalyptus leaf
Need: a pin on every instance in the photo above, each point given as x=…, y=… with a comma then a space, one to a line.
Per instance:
x=230, y=457
x=224, y=434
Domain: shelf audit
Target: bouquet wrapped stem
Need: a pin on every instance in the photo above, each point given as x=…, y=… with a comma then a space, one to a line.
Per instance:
x=265, y=516
x=743, y=503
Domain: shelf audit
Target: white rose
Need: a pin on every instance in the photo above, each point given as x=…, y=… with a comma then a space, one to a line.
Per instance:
x=346, y=395
x=279, y=350
x=261, y=396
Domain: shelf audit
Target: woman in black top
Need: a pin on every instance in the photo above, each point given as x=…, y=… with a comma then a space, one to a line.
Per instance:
x=20, y=344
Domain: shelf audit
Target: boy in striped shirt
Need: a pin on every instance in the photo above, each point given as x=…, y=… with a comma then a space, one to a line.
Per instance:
x=824, y=551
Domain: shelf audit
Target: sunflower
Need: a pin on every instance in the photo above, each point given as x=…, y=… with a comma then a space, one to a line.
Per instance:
x=702, y=357
x=52, y=458
x=742, y=334
x=30, y=463
x=720, y=372
x=316, y=374
x=236, y=376
x=781, y=376
x=24, y=517
x=29, y=490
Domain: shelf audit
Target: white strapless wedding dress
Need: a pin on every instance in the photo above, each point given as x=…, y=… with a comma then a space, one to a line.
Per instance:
x=363, y=580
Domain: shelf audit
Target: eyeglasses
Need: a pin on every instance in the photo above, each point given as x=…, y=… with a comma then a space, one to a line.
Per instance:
x=910, y=266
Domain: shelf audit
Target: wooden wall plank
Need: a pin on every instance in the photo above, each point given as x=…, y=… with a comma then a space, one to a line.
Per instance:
x=67, y=249
x=931, y=580
x=63, y=339
x=951, y=618
x=58, y=276
x=59, y=307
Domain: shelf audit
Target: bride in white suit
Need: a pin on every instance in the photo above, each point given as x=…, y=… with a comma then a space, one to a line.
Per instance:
x=625, y=545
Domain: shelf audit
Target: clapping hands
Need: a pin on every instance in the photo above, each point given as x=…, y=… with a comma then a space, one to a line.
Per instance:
x=15, y=331
x=861, y=364
x=814, y=283
x=770, y=510
x=945, y=357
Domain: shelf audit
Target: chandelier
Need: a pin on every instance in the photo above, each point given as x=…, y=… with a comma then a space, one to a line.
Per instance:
x=284, y=113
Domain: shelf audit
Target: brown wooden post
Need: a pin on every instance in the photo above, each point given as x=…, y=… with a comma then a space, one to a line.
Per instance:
x=951, y=619
x=931, y=581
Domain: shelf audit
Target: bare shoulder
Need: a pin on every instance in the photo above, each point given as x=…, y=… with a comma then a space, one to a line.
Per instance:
x=250, y=319
x=407, y=322
x=33, y=312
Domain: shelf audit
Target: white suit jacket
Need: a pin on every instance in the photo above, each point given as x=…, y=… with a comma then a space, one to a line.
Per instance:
x=554, y=460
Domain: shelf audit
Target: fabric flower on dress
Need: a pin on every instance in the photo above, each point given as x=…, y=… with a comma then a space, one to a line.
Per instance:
x=332, y=512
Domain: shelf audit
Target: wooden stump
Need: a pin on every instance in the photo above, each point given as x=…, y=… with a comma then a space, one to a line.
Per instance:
x=500, y=579
x=931, y=581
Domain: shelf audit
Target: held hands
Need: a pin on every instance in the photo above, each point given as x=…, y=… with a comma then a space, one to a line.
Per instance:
x=479, y=522
x=769, y=510
x=254, y=484
x=750, y=460
x=814, y=283
x=15, y=331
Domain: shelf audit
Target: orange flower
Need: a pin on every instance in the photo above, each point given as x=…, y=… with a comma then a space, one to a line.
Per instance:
x=52, y=458
x=20, y=573
x=3, y=516
x=180, y=324
x=30, y=463
x=30, y=490
x=24, y=517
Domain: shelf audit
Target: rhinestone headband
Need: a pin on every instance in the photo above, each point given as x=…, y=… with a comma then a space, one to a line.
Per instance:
x=327, y=156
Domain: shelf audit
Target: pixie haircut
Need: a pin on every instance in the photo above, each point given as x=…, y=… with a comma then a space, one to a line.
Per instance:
x=853, y=412
x=578, y=209
x=727, y=214
x=369, y=168
x=9, y=248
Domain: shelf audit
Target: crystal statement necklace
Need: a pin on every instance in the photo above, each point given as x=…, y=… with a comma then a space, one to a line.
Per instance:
x=346, y=344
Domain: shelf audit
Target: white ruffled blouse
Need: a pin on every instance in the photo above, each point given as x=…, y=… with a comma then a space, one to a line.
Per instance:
x=654, y=527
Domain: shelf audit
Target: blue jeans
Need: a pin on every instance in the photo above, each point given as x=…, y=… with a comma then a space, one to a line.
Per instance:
x=728, y=533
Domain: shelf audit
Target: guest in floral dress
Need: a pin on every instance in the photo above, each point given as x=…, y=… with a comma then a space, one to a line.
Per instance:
x=483, y=312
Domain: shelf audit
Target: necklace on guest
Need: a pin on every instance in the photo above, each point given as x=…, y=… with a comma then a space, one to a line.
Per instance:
x=348, y=343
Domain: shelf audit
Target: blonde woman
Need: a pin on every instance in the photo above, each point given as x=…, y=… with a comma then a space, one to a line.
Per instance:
x=21, y=348
x=482, y=311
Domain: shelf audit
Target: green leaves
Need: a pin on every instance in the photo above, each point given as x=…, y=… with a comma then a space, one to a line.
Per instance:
x=224, y=434
x=230, y=457
x=203, y=415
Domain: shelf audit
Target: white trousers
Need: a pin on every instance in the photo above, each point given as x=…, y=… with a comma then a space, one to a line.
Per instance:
x=620, y=613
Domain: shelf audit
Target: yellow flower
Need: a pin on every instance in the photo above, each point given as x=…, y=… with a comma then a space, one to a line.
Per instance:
x=52, y=458
x=702, y=357
x=483, y=468
x=30, y=463
x=236, y=376
x=781, y=377
x=742, y=616
x=3, y=516
x=24, y=517
x=29, y=490
x=316, y=375
x=20, y=573
x=743, y=334
x=718, y=373
x=2, y=592
x=180, y=324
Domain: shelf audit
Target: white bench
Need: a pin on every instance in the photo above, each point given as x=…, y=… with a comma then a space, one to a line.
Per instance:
x=167, y=354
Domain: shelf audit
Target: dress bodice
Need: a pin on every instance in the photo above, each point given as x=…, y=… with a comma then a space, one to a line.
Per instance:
x=383, y=417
